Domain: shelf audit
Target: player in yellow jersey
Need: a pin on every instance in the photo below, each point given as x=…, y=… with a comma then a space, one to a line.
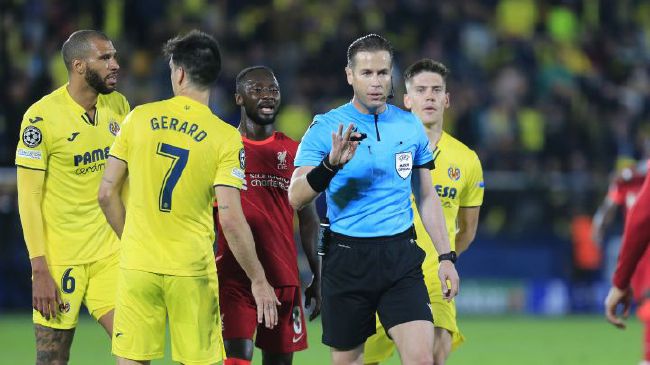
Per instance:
x=178, y=156
x=458, y=180
x=61, y=155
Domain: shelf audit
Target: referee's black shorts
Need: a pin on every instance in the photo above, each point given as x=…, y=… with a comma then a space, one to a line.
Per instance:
x=362, y=276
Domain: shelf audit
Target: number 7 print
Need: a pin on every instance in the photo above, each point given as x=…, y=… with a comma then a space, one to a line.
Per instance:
x=179, y=158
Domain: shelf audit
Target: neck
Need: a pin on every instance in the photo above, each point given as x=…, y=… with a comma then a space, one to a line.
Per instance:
x=82, y=93
x=363, y=109
x=252, y=130
x=202, y=96
x=434, y=132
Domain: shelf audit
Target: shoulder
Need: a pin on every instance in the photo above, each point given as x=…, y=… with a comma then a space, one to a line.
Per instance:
x=45, y=104
x=116, y=101
x=458, y=147
x=403, y=115
x=332, y=117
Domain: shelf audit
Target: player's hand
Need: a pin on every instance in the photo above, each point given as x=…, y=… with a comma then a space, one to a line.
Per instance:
x=45, y=295
x=312, y=293
x=266, y=303
x=342, y=148
x=615, y=297
x=448, y=279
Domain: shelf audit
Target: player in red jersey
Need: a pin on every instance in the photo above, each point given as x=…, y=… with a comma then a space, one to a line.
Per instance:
x=632, y=275
x=269, y=166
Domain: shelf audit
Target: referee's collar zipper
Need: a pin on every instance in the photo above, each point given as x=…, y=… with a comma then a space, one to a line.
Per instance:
x=376, y=127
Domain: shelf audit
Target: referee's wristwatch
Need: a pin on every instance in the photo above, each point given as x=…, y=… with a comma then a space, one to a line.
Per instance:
x=451, y=256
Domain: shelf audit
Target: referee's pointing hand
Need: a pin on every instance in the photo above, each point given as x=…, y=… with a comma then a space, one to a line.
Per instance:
x=342, y=148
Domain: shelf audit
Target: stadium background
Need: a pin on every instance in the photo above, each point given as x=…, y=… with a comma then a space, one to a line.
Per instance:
x=553, y=96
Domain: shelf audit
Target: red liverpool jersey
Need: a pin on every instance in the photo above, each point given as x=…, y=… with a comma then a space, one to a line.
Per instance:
x=269, y=166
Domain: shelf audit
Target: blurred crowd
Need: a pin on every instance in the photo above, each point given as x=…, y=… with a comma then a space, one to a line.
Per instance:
x=549, y=93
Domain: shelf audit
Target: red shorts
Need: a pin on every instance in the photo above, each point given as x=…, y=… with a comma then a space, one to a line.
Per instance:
x=641, y=278
x=239, y=318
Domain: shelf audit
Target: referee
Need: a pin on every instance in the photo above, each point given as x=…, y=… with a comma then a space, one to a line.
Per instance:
x=369, y=170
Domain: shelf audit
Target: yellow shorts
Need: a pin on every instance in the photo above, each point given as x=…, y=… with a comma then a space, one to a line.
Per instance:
x=145, y=300
x=93, y=284
x=379, y=347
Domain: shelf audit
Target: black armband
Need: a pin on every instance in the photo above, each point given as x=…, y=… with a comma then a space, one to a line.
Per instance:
x=319, y=178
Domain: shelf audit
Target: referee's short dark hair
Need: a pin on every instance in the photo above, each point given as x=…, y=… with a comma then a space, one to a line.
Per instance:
x=198, y=53
x=426, y=65
x=78, y=44
x=369, y=43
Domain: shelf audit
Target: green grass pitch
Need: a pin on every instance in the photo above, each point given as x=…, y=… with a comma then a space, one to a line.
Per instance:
x=574, y=340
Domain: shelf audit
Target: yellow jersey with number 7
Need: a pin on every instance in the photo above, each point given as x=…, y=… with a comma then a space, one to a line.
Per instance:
x=176, y=151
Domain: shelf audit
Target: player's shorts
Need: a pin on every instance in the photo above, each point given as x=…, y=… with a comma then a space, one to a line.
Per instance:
x=379, y=347
x=239, y=315
x=364, y=276
x=93, y=284
x=145, y=300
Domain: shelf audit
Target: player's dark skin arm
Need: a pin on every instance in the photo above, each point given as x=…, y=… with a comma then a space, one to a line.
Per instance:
x=308, y=225
x=109, y=194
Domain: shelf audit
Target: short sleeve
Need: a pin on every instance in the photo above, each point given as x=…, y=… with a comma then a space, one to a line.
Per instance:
x=232, y=163
x=32, y=149
x=472, y=195
x=423, y=154
x=315, y=144
x=120, y=147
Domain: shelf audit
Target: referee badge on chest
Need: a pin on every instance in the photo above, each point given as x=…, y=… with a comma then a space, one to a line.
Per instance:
x=404, y=164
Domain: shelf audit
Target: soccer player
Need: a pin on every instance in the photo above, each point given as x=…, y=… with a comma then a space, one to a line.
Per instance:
x=178, y=156
x=269, y=165
x=631, y=276
x=373, y=264
x=61, y=154
x=458, y=179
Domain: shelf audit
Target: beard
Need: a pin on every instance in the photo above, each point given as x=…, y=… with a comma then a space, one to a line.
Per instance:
x=96, y=82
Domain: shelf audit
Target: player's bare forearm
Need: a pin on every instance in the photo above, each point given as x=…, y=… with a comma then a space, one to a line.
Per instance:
x=603, y=218
x=467, y=225
x=430, y=209
x=300, y=192
x=238, y=232
x=308, y=227
x=109, y=194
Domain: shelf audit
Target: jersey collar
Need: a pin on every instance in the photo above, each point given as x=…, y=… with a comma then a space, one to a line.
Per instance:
x=79, y=110
x=191, y=103
x=262, y=142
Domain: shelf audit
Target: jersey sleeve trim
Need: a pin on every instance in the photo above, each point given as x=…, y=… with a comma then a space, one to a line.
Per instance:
x=230, y=186
x=30, y=168
x=471, y=206
x=427, y=165
x=115, y=157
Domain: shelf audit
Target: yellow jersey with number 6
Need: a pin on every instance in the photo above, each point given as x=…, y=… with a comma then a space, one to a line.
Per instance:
x=58, y=137
x=176, y=151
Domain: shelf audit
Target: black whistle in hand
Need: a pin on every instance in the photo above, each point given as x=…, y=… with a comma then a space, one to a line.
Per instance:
x=358, y=139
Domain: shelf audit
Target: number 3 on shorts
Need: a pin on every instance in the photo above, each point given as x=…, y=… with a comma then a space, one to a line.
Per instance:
x=67, y=282
x=179, y=161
